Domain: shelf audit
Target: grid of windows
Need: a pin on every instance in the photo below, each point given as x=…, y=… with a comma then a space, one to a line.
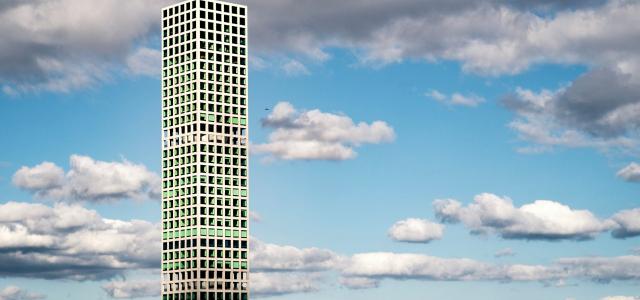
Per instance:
x=205, y=197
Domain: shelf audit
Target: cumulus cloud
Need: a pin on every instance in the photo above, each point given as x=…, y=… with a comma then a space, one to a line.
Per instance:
x=62, y=45
x=414, y=230
x=270, y=257
x=630, y=173
x=71, y=242
x=540, y=220
x=456, y=99
x=628, y=224
x=600, y=109
x=89, y=180
x=16, y=293
x=316, y=135
x=132, y=289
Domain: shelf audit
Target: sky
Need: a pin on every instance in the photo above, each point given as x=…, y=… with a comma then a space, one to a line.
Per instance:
x=399, y=149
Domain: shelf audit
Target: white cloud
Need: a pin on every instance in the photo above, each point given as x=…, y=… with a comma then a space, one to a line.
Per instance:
x=620, y=298
x=505, y=252
x=132, y=289
x=540, y=220
x=71, y=242
x=416, y=231
x=456, y=99
x=628, y=223
x=270, y=257
x=383, y=265
x=276, y=284
x=16, y=293
x=630, y=173
x=44, y=176
x=422, y=267
x=89, y=180
x=295, y=68
x=316, y=135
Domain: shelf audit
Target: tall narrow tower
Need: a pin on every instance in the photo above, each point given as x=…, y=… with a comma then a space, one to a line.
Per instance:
x=205, y=197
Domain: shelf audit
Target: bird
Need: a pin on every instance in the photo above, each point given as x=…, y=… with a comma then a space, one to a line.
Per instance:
x=267, y=108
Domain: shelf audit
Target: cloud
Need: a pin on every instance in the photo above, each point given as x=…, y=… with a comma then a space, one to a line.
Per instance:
x=630, y=173
x=377, y=266
x=628, y=224
x=456, y=99
x=145, y=61
x=132, y=289
x=505, y=252
x=488, y=37
x=600, y=109
x=71, y=242
x=380, y=265
x=620, y=298
x=416, y=231
x=295, y=68
x=16, y=293
x=602, y=269
x=316, y=135
x=540, y=220
x=358, y=283
x=62, y=45
x=277, y=284
x=89, y=180
x=266, y=257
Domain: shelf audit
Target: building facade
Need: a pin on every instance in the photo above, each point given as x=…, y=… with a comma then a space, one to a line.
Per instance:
x=205, y=190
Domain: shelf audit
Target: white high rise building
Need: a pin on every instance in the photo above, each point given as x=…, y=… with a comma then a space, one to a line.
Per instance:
x=205, y=190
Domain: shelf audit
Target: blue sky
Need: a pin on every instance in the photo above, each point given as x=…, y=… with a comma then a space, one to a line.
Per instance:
x=345, y=207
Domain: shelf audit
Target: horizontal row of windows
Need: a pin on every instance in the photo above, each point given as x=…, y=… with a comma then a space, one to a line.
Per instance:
x=219, y=201
x=211, y=243
x=192, y=170
x=210, y=97
x=220, y=109
x=211, y=277
x=227, y=89
x=186, y=119
x=206, y=296
x=222, y=7
x=185, y=233
x=184, y=181
x=204, y=149
x=205, y=190
x=211, y=211
x=204, y=221
x=217, y=264
x=175, y=79
x=204, y=253
x=192, y=211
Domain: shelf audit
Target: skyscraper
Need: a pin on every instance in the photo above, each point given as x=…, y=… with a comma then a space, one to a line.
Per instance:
x=205, y=197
